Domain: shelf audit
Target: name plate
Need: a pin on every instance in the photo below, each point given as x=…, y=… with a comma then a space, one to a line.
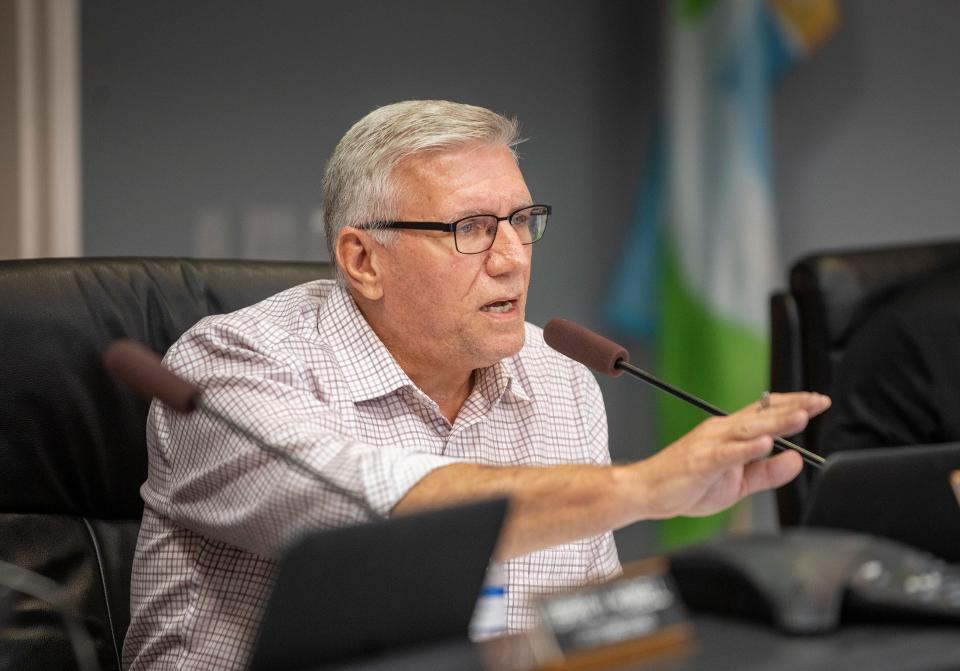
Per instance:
x=637, y=615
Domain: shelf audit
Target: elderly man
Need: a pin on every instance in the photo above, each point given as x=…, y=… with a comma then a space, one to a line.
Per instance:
x=413, y=381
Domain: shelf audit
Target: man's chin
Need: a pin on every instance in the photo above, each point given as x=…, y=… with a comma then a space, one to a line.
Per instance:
x=505, y=346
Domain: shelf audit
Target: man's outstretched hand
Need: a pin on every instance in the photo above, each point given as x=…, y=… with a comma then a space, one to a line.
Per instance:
x=718, y=463
x=725, y=459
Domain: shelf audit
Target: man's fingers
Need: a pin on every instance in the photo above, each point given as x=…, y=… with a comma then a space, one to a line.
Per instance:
x=785, y=420
x=770, y=473
x=734, y=453
x=811, y=402
x=746, y=436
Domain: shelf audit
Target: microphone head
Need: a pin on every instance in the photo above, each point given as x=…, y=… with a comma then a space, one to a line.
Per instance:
x=583, y=345
x=139, y=367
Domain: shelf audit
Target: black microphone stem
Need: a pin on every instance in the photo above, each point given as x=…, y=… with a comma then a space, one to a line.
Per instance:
x=814, y=460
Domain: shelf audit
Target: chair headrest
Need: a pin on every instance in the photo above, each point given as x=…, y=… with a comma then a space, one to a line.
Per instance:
x=71, y=440
x=838, y=288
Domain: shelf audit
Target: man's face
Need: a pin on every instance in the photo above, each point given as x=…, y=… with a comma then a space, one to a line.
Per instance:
x=442, y=308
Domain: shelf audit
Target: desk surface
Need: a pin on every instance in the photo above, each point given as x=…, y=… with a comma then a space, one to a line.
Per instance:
x=724, y=644
x=749, y=646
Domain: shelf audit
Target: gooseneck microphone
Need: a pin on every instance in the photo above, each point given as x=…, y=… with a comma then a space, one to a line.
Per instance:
x=607, y=357
x=140, y=368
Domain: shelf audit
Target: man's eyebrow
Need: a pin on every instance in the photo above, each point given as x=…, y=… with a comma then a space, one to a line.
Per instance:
x=463, y=214
x=473, y=212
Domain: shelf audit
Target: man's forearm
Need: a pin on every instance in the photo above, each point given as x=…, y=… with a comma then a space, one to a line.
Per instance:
x=709, y=469
x=548, y=505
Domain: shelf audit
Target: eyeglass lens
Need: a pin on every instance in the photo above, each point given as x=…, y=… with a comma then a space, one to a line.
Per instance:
x=476, y=234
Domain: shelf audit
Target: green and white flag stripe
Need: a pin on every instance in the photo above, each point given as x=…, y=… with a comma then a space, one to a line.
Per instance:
x=719, y=253
x=701, y=260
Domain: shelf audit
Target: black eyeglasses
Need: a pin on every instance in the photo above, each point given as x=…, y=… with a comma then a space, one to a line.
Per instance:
x=476, y=233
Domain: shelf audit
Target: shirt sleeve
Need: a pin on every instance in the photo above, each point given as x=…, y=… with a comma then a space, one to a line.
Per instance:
x=218, y=482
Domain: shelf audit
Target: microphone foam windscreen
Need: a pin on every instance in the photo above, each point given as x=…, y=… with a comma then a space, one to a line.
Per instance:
x=139, y=367
x=583, y=345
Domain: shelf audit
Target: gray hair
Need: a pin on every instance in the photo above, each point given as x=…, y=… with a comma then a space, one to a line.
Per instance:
x=357, y=185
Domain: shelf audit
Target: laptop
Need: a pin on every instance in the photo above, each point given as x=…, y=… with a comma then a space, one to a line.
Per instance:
x=903, y=493
x=357, y=592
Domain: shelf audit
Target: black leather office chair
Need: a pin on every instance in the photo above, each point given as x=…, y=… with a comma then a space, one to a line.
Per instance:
x=72, y=443
x=830, y=294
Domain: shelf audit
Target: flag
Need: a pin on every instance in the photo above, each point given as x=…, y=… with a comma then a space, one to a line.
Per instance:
x=701, y=257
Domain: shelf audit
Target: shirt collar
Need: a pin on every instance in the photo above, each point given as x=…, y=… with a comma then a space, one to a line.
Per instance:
x=502, y=378
x=368, y=367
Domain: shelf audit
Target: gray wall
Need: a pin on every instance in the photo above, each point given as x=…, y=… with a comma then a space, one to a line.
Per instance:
x=206, y=126
x=867, y=138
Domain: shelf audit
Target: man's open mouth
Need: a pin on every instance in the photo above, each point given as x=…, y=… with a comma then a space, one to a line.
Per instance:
x=498, y=306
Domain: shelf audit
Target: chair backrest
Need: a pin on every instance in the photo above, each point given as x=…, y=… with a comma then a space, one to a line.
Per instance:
x=830, y=295
x=72, y=442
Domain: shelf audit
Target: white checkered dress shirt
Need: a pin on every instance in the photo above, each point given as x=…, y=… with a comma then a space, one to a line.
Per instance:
x=303, y=370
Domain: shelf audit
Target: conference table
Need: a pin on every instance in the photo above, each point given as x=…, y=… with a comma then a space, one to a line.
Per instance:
x=742, y=645
x=722, y=644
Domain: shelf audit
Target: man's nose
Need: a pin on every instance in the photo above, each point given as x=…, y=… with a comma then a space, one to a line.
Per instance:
x=507, y=253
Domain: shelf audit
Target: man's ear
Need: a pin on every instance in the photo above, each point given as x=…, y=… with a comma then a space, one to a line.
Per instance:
x=358, y=256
